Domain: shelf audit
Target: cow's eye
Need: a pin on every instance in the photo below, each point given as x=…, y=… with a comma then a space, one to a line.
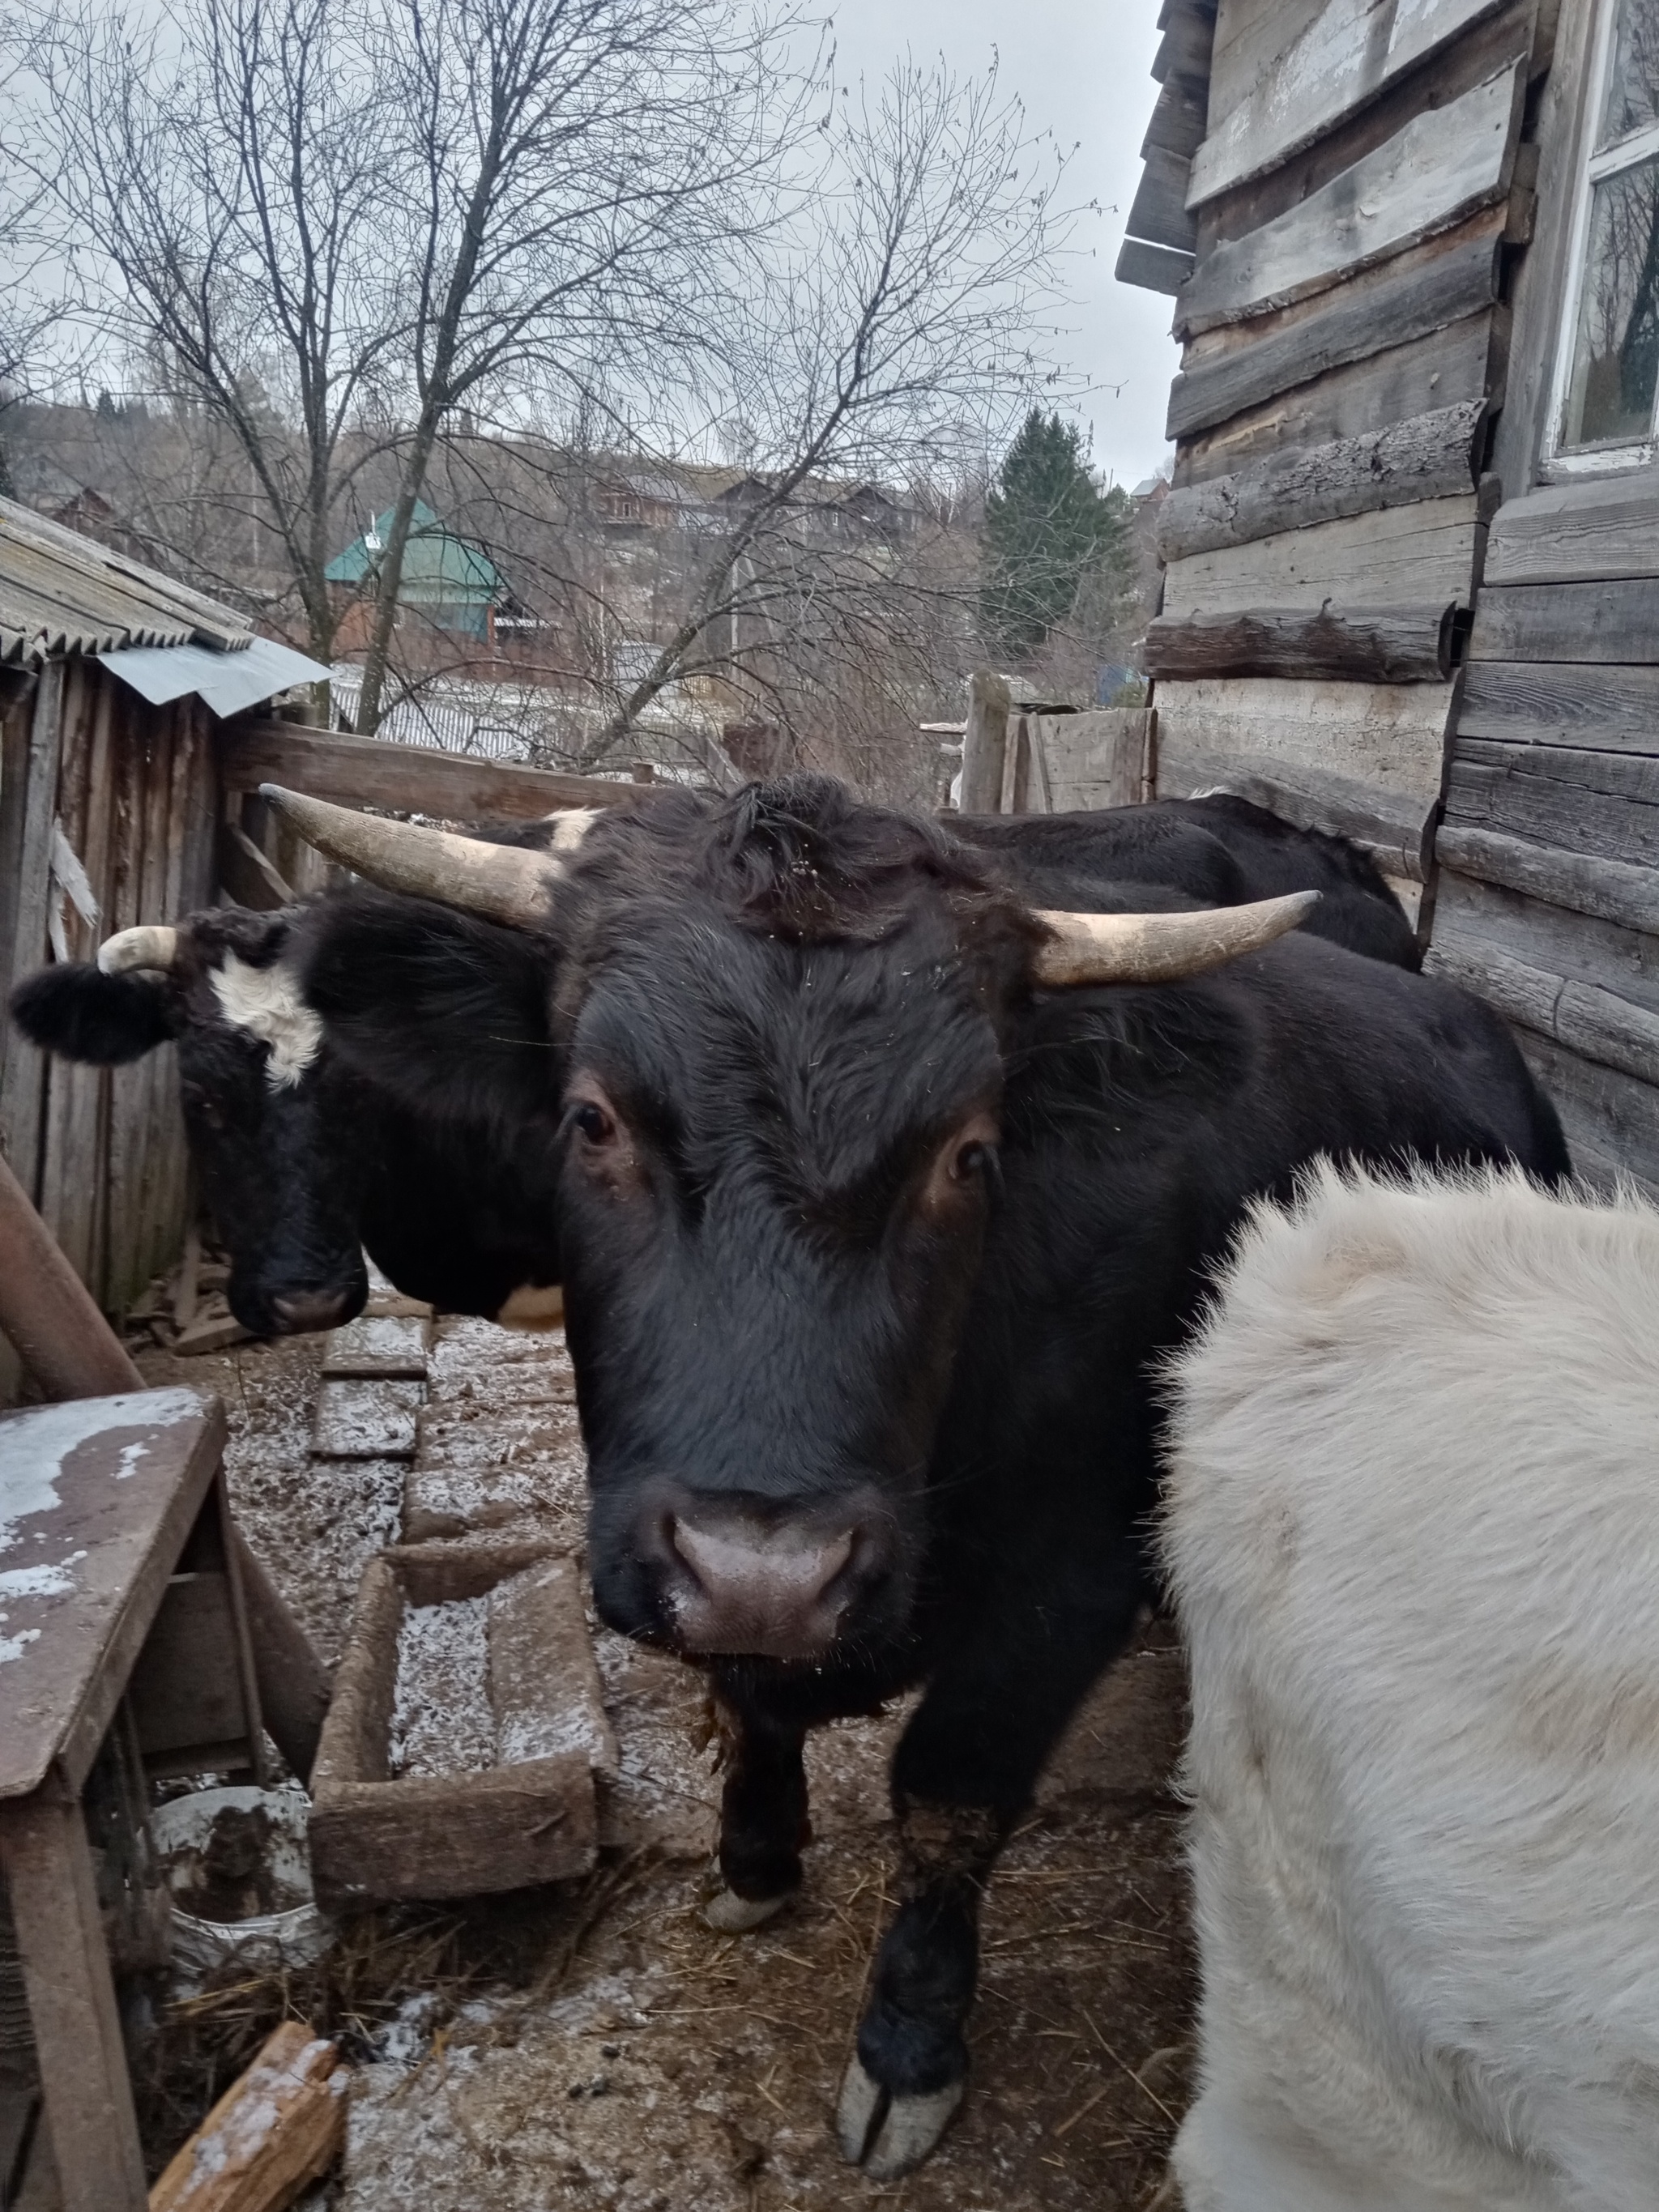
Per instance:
x=971, y=1159
x=594, y=1123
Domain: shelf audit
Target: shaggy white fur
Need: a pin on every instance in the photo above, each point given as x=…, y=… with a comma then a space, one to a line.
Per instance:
x=266, y=1002
x=1413, y=1532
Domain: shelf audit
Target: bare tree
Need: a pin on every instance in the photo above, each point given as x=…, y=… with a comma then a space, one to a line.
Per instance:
x=338, y=224
x=887, y=338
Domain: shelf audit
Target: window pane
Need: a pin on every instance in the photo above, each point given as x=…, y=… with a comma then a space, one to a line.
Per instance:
x=1633, y=101
x=1616, y=358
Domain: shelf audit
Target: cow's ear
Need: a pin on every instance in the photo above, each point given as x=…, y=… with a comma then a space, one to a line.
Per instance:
x=77, y=1011
x=447, y=1013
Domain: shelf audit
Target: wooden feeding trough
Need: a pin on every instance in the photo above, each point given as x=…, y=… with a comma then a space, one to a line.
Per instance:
x=124, y=1653
x=460, y=1751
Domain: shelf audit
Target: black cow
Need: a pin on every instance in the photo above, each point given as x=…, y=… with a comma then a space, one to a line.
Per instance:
x=1220, y=849
x=874, y=1239
x=304, y=1162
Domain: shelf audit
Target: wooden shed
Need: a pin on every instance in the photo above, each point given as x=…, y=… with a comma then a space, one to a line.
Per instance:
x=1411, y=579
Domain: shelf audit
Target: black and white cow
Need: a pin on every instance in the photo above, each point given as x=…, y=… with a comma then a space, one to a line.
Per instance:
x=305, y=1162
x=882, y=1197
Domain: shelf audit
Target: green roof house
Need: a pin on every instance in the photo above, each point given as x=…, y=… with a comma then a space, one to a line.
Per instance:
x=454, y=585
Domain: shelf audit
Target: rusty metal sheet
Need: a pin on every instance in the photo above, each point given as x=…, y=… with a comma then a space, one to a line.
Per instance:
x=97, y=1497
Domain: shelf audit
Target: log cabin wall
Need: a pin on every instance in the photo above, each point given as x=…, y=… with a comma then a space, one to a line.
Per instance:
x=1380, y=615
x=1352, y=214
x=1547, y=895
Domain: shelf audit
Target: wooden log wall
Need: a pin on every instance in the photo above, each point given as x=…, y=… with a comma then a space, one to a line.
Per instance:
x=1355, y=210
x=133, y=790
x=1548, y=901
x=1372, y=620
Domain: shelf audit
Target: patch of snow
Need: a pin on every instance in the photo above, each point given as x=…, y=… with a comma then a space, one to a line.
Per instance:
x=28, y=1482
x=441, y=1723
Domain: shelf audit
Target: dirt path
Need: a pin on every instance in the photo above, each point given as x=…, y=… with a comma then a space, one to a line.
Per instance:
x=600, y=2047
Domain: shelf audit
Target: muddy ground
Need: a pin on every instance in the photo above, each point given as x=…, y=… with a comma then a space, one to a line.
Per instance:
x=595, y=2045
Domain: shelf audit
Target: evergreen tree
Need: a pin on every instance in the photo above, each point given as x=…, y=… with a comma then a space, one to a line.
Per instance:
x=1048, y=524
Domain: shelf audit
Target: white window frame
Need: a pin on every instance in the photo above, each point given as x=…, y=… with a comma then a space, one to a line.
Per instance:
x=1627, y=153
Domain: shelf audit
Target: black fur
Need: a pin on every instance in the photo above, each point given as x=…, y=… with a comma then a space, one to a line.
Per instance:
x=79, y=1011
x=791, y=1002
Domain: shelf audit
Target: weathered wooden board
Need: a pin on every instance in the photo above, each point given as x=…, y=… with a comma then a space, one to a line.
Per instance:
x=1152, y=268
x=1276, y=92
x=1566, y=703
x=1610, y=1120
x=1604, y=803
x=1379, y=645
x=1363, y=761
x=1159, y=211
x=1432, y=456
x=985, y=742
x=1614, y=890
x=1184, y=49
x=1086, y=761
x=1446, y=162
x=1177, y=123
x=1379, y=312
x=1583, y=1017
x=23, y=1085
x=1615, y=620
x=184, y=1695
x=1400, y=556
x=1590, y=985
x=364, y=772
x=103, y=1491
x=1393, y=829
x=247, y=875
x=96, y=2162
x=1463, y=361
x=1579, y=532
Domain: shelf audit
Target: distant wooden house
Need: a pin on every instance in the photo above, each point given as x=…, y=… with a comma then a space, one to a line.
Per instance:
x=1412, y=589
x=447, y=583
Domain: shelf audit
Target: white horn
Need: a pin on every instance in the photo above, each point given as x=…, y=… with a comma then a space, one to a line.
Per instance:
x=151, y=946
x=503, y=882
x=1160, y=948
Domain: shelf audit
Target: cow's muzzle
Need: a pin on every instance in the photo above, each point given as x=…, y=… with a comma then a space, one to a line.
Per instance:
x=752, y=1579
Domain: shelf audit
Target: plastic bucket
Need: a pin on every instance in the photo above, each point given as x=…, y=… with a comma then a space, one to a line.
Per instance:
x=183, y=1833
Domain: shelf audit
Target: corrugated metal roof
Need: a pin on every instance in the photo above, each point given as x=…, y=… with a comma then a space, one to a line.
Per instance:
x=61, y=593
x=224, y=682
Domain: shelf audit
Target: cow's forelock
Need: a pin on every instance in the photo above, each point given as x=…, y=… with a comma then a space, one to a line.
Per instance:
x=267, y=1004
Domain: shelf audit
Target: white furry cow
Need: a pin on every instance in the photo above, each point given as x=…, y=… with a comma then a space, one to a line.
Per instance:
x=1413, y=1531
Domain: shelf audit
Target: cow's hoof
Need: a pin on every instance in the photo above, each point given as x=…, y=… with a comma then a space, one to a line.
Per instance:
x=728, y=1914
x=886, y=2135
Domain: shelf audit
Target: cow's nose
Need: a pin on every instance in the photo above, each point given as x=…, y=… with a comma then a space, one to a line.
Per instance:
x=296, y=1311
x=774, y=1591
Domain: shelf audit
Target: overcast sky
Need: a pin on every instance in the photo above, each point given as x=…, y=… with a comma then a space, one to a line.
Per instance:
x=1081, y=67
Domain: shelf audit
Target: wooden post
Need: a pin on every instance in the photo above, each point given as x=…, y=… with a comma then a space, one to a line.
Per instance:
x=49, y=1314
x=60, y=1939
x=984, y=743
